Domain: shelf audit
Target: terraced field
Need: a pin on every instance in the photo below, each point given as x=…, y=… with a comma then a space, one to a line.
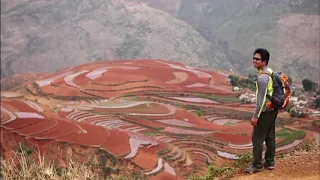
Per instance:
x=159, y=118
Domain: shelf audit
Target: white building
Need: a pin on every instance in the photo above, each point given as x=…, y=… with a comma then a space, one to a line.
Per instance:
x=236, y=89
x=315, y=113
x=293, y=98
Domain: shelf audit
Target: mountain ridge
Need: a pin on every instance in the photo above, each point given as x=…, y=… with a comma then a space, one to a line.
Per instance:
x=288, y=29
x=47, y=36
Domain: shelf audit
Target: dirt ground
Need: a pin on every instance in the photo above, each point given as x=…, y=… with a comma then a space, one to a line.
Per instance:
x=301, y=166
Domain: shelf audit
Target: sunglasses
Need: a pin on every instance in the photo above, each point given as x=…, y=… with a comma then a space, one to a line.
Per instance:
x=256, y=59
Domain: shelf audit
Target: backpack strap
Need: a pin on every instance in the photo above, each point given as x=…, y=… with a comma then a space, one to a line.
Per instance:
x=266, y=72
x=270, y=75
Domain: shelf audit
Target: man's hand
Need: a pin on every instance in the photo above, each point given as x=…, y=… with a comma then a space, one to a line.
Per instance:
x=254, y=121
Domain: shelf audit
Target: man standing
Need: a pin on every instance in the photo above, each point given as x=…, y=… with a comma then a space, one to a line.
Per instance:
x=263, y=120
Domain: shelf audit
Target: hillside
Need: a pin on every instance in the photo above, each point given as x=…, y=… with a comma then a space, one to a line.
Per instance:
x=288, y=28
x=46, y=36
x=19, y=80
x=131, y=116
x=169, y=6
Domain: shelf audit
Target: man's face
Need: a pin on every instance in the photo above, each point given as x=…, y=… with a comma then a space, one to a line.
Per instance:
x=257, y=61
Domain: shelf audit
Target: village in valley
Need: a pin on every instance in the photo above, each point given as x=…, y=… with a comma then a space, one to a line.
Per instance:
x=304, y=100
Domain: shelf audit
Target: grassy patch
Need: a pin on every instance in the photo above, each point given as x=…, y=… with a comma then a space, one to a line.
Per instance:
x=219, y=98
x=227, y=171
x=199, y=112
x=244, y=159
x=289, y=136
x=152, y=133
x=24, y=166
x=316, y=123
x=284, y=133
x=229, y=123
x=181, y=105
x=28, y=168
x=135, y=99
x=163, y=152
x=224, y=172
x=25, y=149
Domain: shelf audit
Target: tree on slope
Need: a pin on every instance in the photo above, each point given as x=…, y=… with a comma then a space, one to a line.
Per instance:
x=307, y=84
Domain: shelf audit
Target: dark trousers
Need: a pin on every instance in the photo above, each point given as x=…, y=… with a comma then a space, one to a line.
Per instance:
x=264, y=132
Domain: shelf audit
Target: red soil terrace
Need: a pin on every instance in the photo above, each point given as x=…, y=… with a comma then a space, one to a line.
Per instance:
x=111, y=79
x=154, y=137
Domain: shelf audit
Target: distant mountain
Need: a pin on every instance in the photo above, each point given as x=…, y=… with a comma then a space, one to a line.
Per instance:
x=45, y=36
x=169, y=6
x=289, y=29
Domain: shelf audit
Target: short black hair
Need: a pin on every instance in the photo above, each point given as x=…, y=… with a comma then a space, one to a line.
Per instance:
x=263, y=53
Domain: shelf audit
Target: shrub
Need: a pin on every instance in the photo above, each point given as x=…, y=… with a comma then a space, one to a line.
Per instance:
x=293, y=113
x=307, y=84
x=244, y=159
x=224, y=171
x=317, y=102
x=289, y=107
x=199, y=112
x=243, y=83
x=301, y=114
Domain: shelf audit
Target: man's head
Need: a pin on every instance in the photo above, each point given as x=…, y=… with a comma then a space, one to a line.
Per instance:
x=260, y=58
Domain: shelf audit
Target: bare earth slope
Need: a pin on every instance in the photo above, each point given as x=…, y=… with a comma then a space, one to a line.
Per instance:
x=45, y=36
x=297, y=167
